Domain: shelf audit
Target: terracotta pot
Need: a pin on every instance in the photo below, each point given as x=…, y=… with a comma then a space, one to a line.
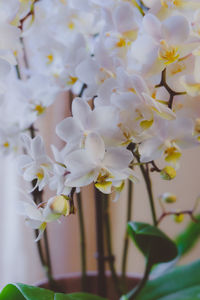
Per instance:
x=71, y=283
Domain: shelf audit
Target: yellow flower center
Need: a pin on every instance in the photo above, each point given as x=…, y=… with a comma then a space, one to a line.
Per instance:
x=50, y=59
x=40, y=175
x=172, y=154
x=71, y=25
x=121, y=43
x=171, y=3
x=6, y=144
x=167, y=53
x=72, y=80
x=39, y=109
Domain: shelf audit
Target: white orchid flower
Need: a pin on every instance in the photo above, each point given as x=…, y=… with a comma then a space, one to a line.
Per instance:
x=162, y=43
x=74, y=130
x=97, y=164
x=170, y=140
x=35, y=165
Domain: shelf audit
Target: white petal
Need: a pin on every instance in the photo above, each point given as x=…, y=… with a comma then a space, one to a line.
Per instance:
x=78, y=160
x=69, y=129
x=94, y=145
x=37, y=147
x=152, y=26
x=124, y=16
x=81, y=111
x=4, y=68
x=150, y=150
x=117, y=158
x=78, y=181
x=176, y=29
x=87, y=71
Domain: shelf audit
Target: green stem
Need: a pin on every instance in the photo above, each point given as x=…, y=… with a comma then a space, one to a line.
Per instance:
x=48, y=258
x=134, y=292
x=102, y=289
x=147, y=179
x=126, y=238
x=109, y=246
x=82, y=242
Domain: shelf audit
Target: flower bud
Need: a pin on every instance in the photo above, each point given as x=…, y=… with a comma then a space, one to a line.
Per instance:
x=61, y=205
x=168, y=173
x=168, y=198
x=178, y=218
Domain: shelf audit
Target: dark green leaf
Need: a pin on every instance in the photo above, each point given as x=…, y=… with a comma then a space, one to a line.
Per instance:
x=152, y=242
x=183, y=283
x=21, y=291
x=188, y=238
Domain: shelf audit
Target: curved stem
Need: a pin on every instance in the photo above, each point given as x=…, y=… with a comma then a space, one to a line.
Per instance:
x=133, y=293
x=126, y=238
x=110, y=257
x=82, y=243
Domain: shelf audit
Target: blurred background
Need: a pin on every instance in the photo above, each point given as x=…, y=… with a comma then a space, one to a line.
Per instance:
x=19, y=261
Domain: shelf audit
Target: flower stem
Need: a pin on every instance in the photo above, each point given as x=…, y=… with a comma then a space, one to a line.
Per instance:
x=134, y=292
x=82, y=242
x=110, y=257
x=126, y=238
x=147, y=179
x=100, y=244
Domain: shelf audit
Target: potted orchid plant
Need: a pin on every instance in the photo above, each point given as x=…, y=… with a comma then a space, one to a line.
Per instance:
x=131, y=69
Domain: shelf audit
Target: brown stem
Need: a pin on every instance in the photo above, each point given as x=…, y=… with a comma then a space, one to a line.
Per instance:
x=174, y=213
x=171, y=92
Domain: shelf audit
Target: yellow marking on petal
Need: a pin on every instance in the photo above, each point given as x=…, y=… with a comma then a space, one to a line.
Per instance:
x=6, y=144
x=120, y=187
x=104, y=187
x=177, y=68
x=132, y=90
x=163, y=114
x=39, y=109
x=50, y=59
x=131, y=35
x=126, y=134
x=72, y=80
x=168, y=54
x=121, y=43
x=71, y=25
x=40, y=175
x=43, y=226
x=171, y=3
x=146, y=124
x=172, y=155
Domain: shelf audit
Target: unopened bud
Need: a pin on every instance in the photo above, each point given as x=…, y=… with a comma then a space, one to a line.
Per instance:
x=168, y=173
x=168, y=198
x=178, y=218
x=61, y=205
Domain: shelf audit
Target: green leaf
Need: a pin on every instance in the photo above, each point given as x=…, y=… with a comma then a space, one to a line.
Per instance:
x=152, y=242
x=183, y=283
x=21, y=291
x=78, y=296
x=188, y=238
